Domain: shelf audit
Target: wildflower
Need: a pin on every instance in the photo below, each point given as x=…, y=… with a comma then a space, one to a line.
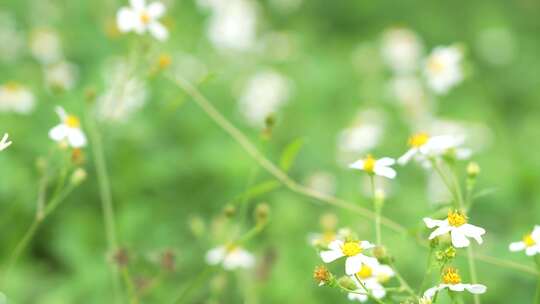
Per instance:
x=371, y=276
x=352, y=250
x=401, y=49
x=530, y=243
x=443, y=69
x=4, y=143
x=68, y=131
x=322, y=275
x=374, y=166
x=263, y=95
x=231, y=256
x=141, y=18
x=364, y=134
x=452, y=281
x=15, y=97
x=455, y=224
x=45, y=45
x=424, y=146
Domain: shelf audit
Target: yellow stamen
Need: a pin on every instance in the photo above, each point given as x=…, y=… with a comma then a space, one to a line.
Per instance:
x=528, y=240
x=328, y=237
x=451, y=276
x=456, y=218
x=369, y=164
x=72, y=121
x=418, y=140
x=12, y=86
x=365, y=272
x=145, y=18
x=351, y=248
x=436, y=66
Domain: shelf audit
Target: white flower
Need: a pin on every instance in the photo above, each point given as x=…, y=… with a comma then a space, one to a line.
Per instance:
x=401, y=50
x=452, y=281
x=232, y=257
x=455, y=224
x=14, y=97
x=322, y=182
x=62, y=75
x=68, y=131
x=530, y=243
x=352, y=250
x=363, y=135
x=423, y=146
x=379, y=167
x=140, y=18
x=45, y=45
x=263, y=95
x=4, y=143
x=372, y=276
x=443, y=69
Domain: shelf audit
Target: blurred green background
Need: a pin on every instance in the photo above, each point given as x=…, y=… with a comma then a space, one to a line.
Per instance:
x=172, y=170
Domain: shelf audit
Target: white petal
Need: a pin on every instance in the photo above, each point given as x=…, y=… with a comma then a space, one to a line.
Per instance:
x=444, y=229
x=366, y=245
x=137, y=4
x=125, y=19
x=536, y=233
x=407, y=156
x=358, y=296
x=475, y=288
x=158, y=31
x=430, y=293
x=459, y=240
x=386, y=161
x=329, y=256
x=385, y=171
x=215, y=256
x=472, y=231
x=359, y=164
x=336, y=245
x=353, y=264
x=530, y=251
x=457, y=287
x=370, y=261
x=61, y=112
x=430, y=223
x=58, y=133
x=156, y=9
x=517, y=246
x=76, y=138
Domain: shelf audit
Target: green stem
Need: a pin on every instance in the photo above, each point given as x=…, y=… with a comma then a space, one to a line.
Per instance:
x=369, y=293
x=193, y=285
x=403, y=282
x=428, y=271
x=446, y=182
x=537, y=297
x=472, y=269
x=377, y=208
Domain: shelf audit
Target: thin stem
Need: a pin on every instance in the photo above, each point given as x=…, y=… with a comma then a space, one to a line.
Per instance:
x=537, y=297
x=428, y=271
x=377, y=208
x=472, y=269
x=403, y=282
x=293, y=186
x=193, y=285
x=446, y=182
x=369, y=293
x=129, y=284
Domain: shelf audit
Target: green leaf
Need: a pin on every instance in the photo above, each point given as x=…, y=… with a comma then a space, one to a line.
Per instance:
x=256, y=191
x=289, y=154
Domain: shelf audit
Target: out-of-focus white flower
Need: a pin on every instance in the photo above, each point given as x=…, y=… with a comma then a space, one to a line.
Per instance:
x=323, y=182
x=476, y=136
x=62, y=75
x=363, y=135
x=233, y=25
x=455, y=224
x=452, y=281
x=443, y=69
x=325, y=238
x=401, y=50
x=5, y=142
x=263, y=95
x=14, y=97
x=422, y=146
x=140, y=18
x=68, y=131
x=11, y=39
x=530, y=243
x=379, y=167
x=45, y=45
x=372, y=276
x=124, y=94
x=353, y=253
x=231, y=257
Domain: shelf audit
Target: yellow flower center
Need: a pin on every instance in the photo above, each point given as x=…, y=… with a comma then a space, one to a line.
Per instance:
x=418, y=140
x=164, y=61
x=529, y=241
x=365, y=272
x=72, y=121
x=12, y=86
x=145, y=18
x=328, y=237
x=369, y=164
x=451, y=277
x=456, y=218
x=436, y=65
x=351, y=248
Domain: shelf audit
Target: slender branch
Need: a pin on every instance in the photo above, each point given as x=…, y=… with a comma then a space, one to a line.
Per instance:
x=472, y=269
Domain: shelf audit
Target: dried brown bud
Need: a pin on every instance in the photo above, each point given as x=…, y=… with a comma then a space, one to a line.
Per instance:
x=168, y=262
x=322, y=275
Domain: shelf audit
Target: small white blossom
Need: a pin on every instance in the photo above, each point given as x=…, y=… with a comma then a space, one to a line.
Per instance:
x=68, y=131
x=5, y=142
x=231, y=257
x=372, y=276
x=379, y=167
x=452, y=281
x=422, y=146
x=443, y=69
x=45, y=45
x=530, y=243
x=455, y=224
x=352, y=250
x=363, y=135
x=14, y=97
x=140, y=18
x=401, y=50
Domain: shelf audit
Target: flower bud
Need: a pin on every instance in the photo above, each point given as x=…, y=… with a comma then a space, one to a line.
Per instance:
x=347, y=282
x=379, y=198
x=78, y=176
x=229, y=211
x=380, y=252
x=262, y=211
x=322, y=275
x=164, y=61
x=473, y=169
